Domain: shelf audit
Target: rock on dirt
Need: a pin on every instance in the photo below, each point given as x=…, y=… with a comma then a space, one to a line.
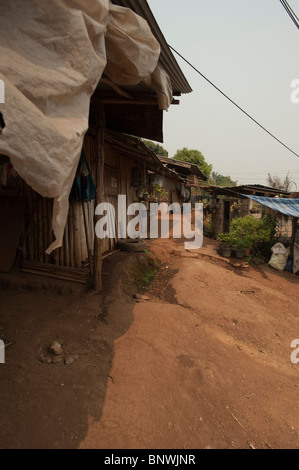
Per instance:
x=56, y=349
x=140, y=297
x=45, y=359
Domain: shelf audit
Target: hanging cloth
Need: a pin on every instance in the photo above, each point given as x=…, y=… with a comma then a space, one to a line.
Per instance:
x=84, y=188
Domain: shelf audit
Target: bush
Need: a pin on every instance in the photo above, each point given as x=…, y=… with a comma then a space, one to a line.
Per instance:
x=247, y=232
x=271, y=222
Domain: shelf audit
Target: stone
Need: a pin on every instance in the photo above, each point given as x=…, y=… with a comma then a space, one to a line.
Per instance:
x=45, y=359
x=56, y=349
x=141, y=297
x=57, y=360
x=69, y=361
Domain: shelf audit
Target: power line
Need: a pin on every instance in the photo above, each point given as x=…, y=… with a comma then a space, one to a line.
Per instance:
x=234, y=103
x=290, y=12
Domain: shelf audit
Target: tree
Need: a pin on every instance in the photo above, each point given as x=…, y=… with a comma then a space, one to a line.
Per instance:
x=195, y=157
x=220, y=180
x=157, y=148
x=279, y=183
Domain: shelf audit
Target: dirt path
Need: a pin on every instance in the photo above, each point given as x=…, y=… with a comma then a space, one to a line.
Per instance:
x=212, y=368
x=204, y=363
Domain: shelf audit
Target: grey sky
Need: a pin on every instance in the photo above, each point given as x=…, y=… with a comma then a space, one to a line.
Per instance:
x=250, y=50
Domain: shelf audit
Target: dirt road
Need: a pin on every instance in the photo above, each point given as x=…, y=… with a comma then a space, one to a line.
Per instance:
x=204, y=363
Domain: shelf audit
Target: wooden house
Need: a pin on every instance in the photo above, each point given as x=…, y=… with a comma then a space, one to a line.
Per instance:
x=114, y=161
x=191, y=177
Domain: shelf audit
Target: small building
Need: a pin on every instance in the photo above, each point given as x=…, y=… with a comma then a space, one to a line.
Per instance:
x=228, y=203
x=191, y=177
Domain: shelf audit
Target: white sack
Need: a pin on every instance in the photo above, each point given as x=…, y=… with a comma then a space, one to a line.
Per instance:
x=279, y=249
x=52, y=56
x=278, y=261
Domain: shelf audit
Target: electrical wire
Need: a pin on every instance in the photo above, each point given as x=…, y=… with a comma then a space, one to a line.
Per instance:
x=290, y=8
x=290, y=12
x=234, y=103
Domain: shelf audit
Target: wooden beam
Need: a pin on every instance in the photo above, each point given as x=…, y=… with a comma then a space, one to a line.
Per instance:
x=115, y=87
x=135, y=102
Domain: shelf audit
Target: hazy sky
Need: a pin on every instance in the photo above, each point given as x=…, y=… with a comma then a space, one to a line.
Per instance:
x=250, y=50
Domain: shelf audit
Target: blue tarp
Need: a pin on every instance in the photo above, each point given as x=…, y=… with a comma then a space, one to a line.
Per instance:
x=288, y=207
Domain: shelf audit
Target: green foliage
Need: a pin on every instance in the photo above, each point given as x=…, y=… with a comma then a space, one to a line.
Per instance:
x=157, y=148
x=224, y=238
x=195, y=157
x=208, y=229
x=247, y=232
x=158, y=194
x=144, y=271
x=271, y=222
x=220, y=180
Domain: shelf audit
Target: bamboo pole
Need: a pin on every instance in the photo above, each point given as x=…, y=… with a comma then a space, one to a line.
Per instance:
x=100, y=124
x=66, y=245
x=77, y=241
x=71, y=236
x=91, y=207
x=88, y=235
x=83, y=241
x=49, y=226
x=35, y=228
x=40, y=230
x=45, y=228
x=30, y=221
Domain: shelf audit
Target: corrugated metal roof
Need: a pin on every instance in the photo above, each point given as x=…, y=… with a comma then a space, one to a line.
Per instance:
x=167, y=60
x=254, y=189
x=190, y=168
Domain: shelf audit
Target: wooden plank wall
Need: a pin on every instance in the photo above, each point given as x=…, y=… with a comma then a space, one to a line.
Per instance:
x=173, y=189
x=118, y=171
x=79, y=235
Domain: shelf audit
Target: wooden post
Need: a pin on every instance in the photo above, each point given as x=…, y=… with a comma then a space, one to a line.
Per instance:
x=294, y=231
x=100, y=136
x=294, y=226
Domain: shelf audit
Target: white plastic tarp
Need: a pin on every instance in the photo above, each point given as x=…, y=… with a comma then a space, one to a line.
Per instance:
x=52, y=56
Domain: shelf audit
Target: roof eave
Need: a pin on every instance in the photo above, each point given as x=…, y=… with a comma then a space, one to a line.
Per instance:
x=167, y=60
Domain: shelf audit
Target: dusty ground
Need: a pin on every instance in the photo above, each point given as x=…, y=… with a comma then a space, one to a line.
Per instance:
x=204, y=363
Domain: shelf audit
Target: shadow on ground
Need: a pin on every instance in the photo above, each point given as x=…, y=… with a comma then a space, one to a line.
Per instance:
x=50, y=405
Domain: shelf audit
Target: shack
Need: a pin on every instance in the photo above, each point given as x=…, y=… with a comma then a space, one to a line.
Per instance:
x=78, y=148
x=228, y=203
x=191, y=177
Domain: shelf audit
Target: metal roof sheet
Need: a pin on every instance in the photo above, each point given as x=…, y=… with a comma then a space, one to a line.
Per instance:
x=190, y=168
